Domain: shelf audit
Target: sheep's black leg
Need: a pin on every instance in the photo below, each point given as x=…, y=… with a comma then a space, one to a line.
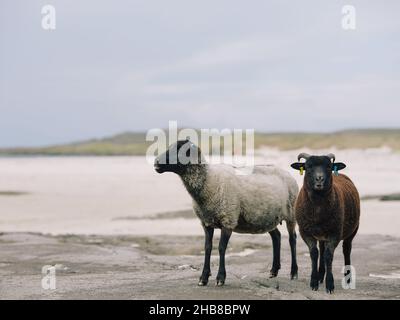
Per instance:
x=347, y=244
x=312, y=246
x=209, y=232
x=346, y=253
x=294, y=268
x=276, y=245
x=328, y=257
x=321, y=270
x=292, y=242
x=223, y=243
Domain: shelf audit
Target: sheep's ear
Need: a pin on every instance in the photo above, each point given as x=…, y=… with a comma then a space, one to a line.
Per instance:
x=338, y=166
x=298, y=165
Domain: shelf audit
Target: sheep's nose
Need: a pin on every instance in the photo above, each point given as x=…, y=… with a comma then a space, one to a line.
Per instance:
x=319, y=178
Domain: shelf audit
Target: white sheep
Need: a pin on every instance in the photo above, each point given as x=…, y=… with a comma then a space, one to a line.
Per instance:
x=254, y=203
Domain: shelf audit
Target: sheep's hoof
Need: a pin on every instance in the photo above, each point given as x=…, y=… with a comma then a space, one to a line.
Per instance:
x=314, y=284
x=294, y=272
x=220, y=283
x=329, y=283
x=330, y=289
x=273, y=274
x=202, y=282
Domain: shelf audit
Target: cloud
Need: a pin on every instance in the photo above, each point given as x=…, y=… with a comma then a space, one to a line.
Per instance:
x=134, y=65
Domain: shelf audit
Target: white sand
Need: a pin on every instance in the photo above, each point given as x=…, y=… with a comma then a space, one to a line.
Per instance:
x=87, y=195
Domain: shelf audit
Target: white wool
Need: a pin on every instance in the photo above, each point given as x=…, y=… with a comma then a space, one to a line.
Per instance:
x=254, y=203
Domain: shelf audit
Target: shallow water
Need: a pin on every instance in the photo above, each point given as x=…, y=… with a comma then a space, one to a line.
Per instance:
x=90, y=195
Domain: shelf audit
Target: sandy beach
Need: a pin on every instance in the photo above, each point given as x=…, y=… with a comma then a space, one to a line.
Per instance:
x=113, y=228
x=168, y=267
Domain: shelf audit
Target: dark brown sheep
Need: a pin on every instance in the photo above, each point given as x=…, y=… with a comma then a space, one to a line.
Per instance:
x=327, y=211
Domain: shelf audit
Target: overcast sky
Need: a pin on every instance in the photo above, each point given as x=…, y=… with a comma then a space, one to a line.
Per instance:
x=113, y=66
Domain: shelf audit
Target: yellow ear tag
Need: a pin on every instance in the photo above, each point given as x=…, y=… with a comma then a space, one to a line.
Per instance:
x=301, y=171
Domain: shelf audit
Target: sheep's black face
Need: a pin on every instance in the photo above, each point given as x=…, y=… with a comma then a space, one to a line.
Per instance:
x=318, y=172
x=178, y=157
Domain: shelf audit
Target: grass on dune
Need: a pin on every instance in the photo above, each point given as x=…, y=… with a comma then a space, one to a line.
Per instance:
x=135, y=143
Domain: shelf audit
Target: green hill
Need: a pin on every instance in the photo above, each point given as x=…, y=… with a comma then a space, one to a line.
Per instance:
x=131, y=143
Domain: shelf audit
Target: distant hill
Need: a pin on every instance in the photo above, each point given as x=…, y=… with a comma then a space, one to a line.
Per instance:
x=128, y=143
x=131, y=143
x=346, y=139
